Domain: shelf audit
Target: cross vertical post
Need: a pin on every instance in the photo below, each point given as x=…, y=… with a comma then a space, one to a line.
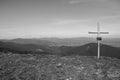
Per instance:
x=99, y=38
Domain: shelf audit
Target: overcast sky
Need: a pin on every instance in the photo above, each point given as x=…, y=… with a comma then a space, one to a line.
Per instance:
x=58, y=18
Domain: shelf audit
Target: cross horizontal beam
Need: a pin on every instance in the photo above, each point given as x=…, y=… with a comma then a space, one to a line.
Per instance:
x=99, y=38
x=98, y=32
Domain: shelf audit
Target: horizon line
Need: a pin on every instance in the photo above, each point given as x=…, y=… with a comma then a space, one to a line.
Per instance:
x=56, y=38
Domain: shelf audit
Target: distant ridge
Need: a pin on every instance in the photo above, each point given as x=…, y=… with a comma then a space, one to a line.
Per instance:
x=64, y=41
x=31, y=41
x=53, y=41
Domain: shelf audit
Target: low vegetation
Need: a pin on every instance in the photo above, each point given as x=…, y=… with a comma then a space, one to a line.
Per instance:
x=52, y=67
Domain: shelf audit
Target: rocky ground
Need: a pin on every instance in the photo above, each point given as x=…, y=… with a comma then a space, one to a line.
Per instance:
x=51, y=67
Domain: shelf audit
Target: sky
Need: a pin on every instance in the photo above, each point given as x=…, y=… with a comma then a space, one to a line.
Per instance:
x=58, y=18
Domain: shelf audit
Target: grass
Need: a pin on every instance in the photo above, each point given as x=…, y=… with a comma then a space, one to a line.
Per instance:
x=52, y=67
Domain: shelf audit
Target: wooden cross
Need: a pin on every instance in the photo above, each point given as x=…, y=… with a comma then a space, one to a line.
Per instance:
x=99, y=38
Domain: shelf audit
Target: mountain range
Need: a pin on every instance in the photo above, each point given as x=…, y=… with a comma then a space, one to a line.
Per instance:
x=45, y=46
x=115, y=42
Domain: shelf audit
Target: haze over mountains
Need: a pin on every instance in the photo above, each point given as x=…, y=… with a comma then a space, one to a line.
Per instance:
x=65, y=47
x=115, y=42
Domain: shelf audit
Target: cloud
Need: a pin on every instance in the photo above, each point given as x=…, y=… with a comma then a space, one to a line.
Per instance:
x=85, y=1
x=75, y=21
x=60, y=22
x=69, y=21
x=74, y=1
x=80, y=1
x=110, y=17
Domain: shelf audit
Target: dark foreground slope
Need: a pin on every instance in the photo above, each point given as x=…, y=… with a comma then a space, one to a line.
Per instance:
x=37, y=67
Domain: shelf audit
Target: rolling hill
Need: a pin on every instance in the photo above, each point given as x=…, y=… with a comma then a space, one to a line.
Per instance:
x=24, y=48
x=89, y=49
